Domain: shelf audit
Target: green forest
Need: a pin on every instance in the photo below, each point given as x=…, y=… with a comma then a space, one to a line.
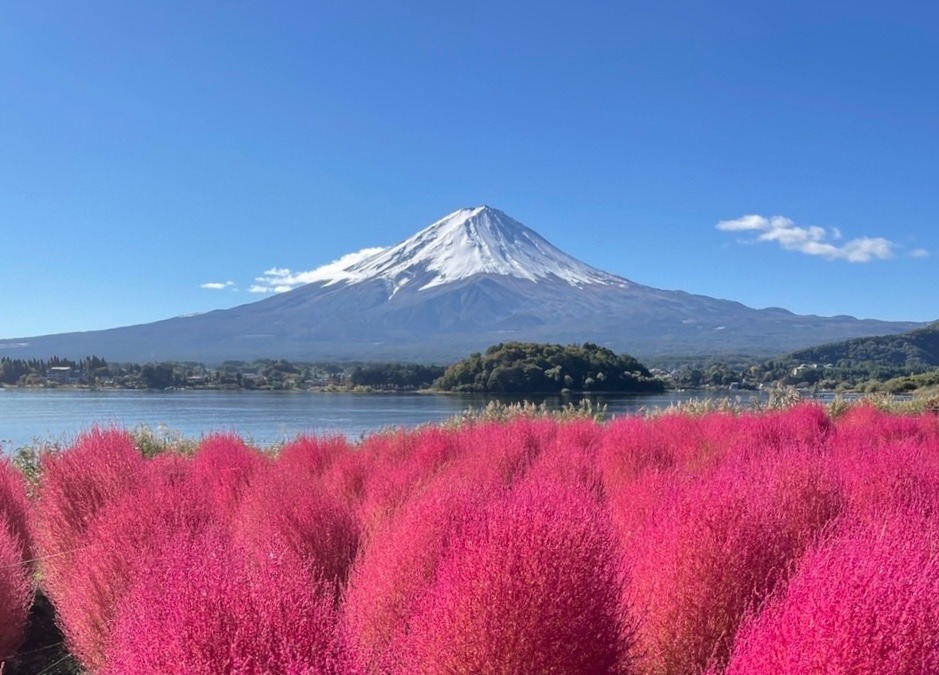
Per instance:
x=527, y=367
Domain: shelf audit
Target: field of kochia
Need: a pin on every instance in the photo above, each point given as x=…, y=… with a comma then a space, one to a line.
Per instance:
x=773, y=542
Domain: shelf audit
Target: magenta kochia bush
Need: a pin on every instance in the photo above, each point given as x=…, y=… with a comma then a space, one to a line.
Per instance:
x=99, y=468
x=498, y=454
x=805, y=427
x=715, y=547
x=863, y=427
x=15, y=593
x=403, y=461
x=889, y=474
x=863, y=602
x=631, y=447
x=887, y=460
x=14, y=506
x=531, y=588
x=398, y=566
x=286, y=511
x=312, y=455
x=625, y=453
x=128, y=534
x=569, y=455
x=207, y=607
x=224, y=467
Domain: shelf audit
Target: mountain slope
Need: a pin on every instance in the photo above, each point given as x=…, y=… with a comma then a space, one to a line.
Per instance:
x=912, y=352
x=474, y=278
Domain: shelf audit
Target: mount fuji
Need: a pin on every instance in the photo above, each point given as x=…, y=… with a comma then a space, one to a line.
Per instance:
x=471, y=279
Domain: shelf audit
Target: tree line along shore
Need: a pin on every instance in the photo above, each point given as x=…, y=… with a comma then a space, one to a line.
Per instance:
x=905, y=364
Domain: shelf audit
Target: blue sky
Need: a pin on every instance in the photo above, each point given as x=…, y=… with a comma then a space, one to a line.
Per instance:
x=779, y=154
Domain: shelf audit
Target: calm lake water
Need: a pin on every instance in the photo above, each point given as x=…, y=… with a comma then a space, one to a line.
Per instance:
x=264, y=417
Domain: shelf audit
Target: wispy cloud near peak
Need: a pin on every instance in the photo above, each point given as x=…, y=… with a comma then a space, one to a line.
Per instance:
x=811, y=240
x=283, y=279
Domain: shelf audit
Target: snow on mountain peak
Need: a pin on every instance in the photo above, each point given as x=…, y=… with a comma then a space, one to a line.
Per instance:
x=467, y=242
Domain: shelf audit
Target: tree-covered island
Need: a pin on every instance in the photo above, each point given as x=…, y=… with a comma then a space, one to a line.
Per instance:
x=535, y=368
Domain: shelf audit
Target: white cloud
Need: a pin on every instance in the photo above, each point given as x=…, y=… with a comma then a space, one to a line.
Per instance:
x=218, y=285
x=282, y=279
x=811, y=240
x=919, y=253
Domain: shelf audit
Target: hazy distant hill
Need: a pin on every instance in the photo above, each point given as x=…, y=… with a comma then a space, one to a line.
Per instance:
x=913, y=352
x=472, y=279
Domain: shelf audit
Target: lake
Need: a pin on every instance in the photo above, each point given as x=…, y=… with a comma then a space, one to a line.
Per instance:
x=264, y=417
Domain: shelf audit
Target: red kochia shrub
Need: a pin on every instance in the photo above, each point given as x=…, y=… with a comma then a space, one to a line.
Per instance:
x=625, y=453
x=498, y=454
x=15, y=588
x=288, y=512
x=805, y=427
x=863, y=426
x=404, y=460
x=569, y=455
x=74, y=484
x=347, y=474
x=531, y=588
x=205, y=607
x=99, y=468
x=223, y=467
x=311, y=455
x=633, y=446
x=14, y=506
x=864, y=602
x=398, y=565
x=715, y=547
x=126, y=536
x=894, y=474
x=15, y=593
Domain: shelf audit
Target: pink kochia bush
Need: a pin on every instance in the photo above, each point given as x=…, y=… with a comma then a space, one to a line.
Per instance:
x=15, y=510
x=129, y=533
x=208, y=608
x=714, y=547
x=76, y=485
x=532, y=587
x=888, y=460
x=311, y=455
x=569, y=455
x=399, y=564
x=402, y=462
x=224, y=467
x=494, y=454
x=100, y=467
x=105, y=513
x=288, y=512
x=16, y=591
x=864, y=601
x=15, y=594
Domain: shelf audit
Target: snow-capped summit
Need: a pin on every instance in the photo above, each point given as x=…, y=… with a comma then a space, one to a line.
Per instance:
x=469, y=242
